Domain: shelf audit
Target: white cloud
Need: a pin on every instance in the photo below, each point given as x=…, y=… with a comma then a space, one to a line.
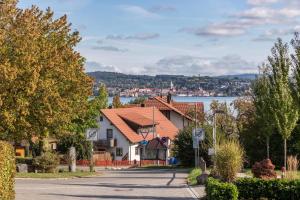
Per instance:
x=191, y=65
x=163, y=8
x=261, y=2
x=138, y=11
x=139, y=36
x=109, y=48
x=92, y=66
x=271, y=35
x=220, y=29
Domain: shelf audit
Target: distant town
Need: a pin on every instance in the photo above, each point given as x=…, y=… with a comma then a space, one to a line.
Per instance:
x=148, y=86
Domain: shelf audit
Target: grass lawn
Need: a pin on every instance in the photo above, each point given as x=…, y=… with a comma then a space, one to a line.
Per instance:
x=192, y=176
x=56, y=175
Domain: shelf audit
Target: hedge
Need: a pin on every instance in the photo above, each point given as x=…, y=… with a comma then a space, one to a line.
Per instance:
x=21, y=160
x=253, y=188
x=7, y=171
x=217, y=190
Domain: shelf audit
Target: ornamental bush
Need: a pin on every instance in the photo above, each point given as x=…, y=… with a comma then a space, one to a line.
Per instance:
x=217, y=190
x=264, y=169
x=7, y=171
x=229, y=159
x=47, y=162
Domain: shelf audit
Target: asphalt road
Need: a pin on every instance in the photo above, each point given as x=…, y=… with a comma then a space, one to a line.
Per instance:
x=126, y=184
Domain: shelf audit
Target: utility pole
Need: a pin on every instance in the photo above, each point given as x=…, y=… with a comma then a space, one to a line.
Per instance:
x=196, y=149
x=214, y=137
x=215, y=131
x=153, y=123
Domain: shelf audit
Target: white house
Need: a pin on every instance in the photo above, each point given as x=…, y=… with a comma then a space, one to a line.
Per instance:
x=177, y=112
x=122, y=129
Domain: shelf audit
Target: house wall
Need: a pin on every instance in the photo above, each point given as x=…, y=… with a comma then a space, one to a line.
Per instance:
x=179, y=121
x=122, y=141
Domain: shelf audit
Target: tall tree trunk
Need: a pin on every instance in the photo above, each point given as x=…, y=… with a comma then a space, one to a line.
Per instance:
x=268, y=147
x=285, y=153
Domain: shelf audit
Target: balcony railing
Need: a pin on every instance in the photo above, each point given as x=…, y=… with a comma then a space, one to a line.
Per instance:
x=109, y=143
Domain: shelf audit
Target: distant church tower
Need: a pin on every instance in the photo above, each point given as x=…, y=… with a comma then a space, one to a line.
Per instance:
x=171, y=86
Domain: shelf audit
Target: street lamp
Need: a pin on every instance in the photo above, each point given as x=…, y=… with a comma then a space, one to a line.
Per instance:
x=215, y=131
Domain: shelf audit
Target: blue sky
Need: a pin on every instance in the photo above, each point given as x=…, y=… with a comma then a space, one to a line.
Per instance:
x=191, y=37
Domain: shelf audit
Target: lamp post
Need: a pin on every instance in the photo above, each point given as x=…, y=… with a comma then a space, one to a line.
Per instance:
x=215, y=131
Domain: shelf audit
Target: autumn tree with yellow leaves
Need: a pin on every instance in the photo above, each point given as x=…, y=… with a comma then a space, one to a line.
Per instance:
x=43, y=87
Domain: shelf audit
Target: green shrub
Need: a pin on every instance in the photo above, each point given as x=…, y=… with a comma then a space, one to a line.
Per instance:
x=7, y=171
x=47, y=162
x=21, y=160
x=217, y=190
x=229, y=159
x=253, y=188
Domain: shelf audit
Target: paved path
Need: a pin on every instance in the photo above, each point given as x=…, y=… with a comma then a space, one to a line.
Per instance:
x=127, y=184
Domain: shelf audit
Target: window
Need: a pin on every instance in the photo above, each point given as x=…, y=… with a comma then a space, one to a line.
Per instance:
x=101, y=119
x=137, y=151
x=109, y=133
x=119, y=152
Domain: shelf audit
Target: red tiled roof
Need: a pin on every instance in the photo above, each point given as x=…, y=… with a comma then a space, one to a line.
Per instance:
x=164, y=128
x=138, y=119
x=186, y=107
x=172, y=107
x=158, y=104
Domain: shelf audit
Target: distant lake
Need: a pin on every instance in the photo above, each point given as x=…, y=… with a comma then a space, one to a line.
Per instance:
x=206, y=100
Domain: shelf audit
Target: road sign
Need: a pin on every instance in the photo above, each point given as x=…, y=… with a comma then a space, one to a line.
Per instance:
x=195, y=143
x=91, y=134
x=144, y=142
x=199, y=133
x=164, y=139
x=211, y=151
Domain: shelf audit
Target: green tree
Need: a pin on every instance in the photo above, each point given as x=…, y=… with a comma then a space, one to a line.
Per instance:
x=43, y=86
x=263, y=106
x=284, y=107
x=79, y=141
x=183, y=147
x=116, y=103
x=138, y=100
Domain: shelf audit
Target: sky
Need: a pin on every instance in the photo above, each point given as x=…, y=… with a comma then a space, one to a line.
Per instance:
x=190, y=37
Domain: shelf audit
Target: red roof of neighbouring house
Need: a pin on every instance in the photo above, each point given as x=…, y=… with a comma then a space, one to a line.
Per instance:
x=182, y=108
x=164, y=127
x=138, y=119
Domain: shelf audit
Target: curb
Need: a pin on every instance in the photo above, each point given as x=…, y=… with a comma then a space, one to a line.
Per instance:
x=194, y=194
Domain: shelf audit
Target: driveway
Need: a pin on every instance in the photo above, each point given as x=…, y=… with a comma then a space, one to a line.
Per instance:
x=165, y=184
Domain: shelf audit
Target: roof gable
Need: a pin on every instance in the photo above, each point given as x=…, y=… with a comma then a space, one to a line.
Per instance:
x=164, y=127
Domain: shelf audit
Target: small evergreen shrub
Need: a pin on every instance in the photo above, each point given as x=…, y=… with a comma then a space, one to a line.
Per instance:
x=264, y=169
x=20, y=160
x=229, y=159
x=280, y=189
x=7, y=171
x=47, y=162
x=217, y=190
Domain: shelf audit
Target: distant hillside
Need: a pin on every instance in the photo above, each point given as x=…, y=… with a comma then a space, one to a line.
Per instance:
x=240, y=76
x=232, y=85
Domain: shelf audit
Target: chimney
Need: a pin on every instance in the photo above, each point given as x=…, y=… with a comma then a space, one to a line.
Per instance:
x=169, y=98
